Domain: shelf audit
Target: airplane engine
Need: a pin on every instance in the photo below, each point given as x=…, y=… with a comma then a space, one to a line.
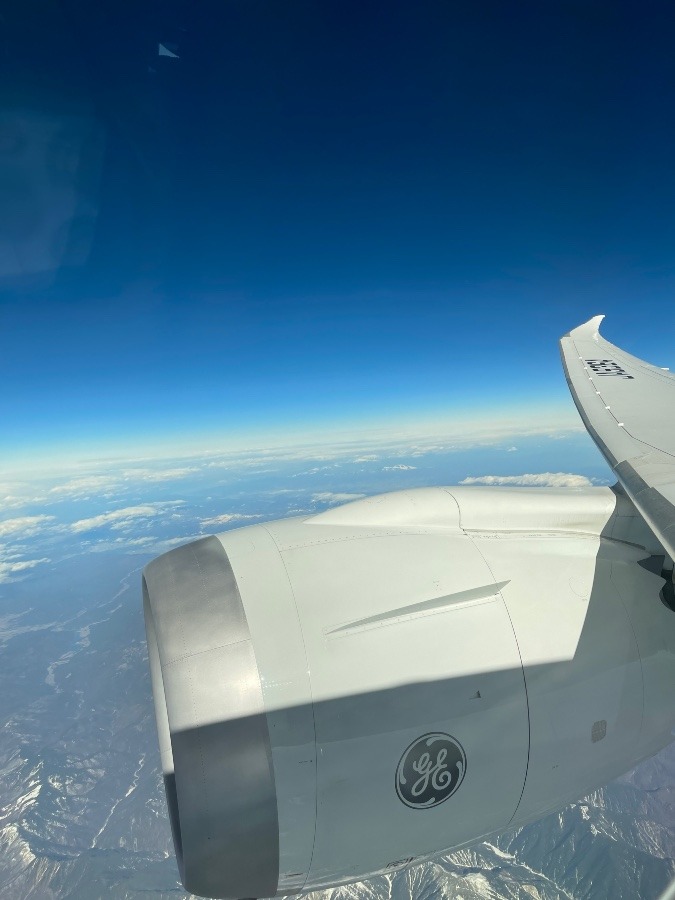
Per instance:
x=346, y=694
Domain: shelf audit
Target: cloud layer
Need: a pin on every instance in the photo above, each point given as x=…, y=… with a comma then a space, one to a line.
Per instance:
x=9, y=567
x=226, y=518
x=543, y=479
x=24, y=525
x=122, y=518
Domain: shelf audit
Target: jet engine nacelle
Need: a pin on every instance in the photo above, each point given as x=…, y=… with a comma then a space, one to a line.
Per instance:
x=346, y=694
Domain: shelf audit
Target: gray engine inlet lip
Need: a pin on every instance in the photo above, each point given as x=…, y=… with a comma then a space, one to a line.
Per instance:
x=219, y=776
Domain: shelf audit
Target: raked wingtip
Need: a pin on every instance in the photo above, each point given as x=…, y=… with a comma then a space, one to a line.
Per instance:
x=589, y=329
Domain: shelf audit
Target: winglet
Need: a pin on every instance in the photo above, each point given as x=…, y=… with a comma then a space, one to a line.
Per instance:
x=590, y=329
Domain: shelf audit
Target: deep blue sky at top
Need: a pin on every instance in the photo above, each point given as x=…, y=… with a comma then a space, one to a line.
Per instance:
x=323, y=211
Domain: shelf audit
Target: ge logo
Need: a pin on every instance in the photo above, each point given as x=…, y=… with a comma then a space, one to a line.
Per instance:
x=430, y=771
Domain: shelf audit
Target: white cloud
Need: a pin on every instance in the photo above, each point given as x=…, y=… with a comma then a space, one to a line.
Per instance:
x=228, y=517
x=278, y=491
x=133, y=545
x=399, y=466
x=159, y=474
x=511, y=449
x=543, y=479
x=122, y=518
x=24, y=525
x=315, y=470
x=15, y=494
x=169, y=543
x=331, y=497
x=12, y=501
x=84, y=485
x=8, y=569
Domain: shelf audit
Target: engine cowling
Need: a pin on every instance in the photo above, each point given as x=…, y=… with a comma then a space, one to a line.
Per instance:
x=347, y=694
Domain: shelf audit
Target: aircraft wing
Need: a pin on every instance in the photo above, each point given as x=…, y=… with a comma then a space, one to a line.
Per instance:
x=628, y=407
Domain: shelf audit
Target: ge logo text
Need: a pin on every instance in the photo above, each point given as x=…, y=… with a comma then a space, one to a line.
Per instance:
x=430, y=770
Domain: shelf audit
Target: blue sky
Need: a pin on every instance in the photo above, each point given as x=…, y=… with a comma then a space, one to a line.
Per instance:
x=319, y=218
